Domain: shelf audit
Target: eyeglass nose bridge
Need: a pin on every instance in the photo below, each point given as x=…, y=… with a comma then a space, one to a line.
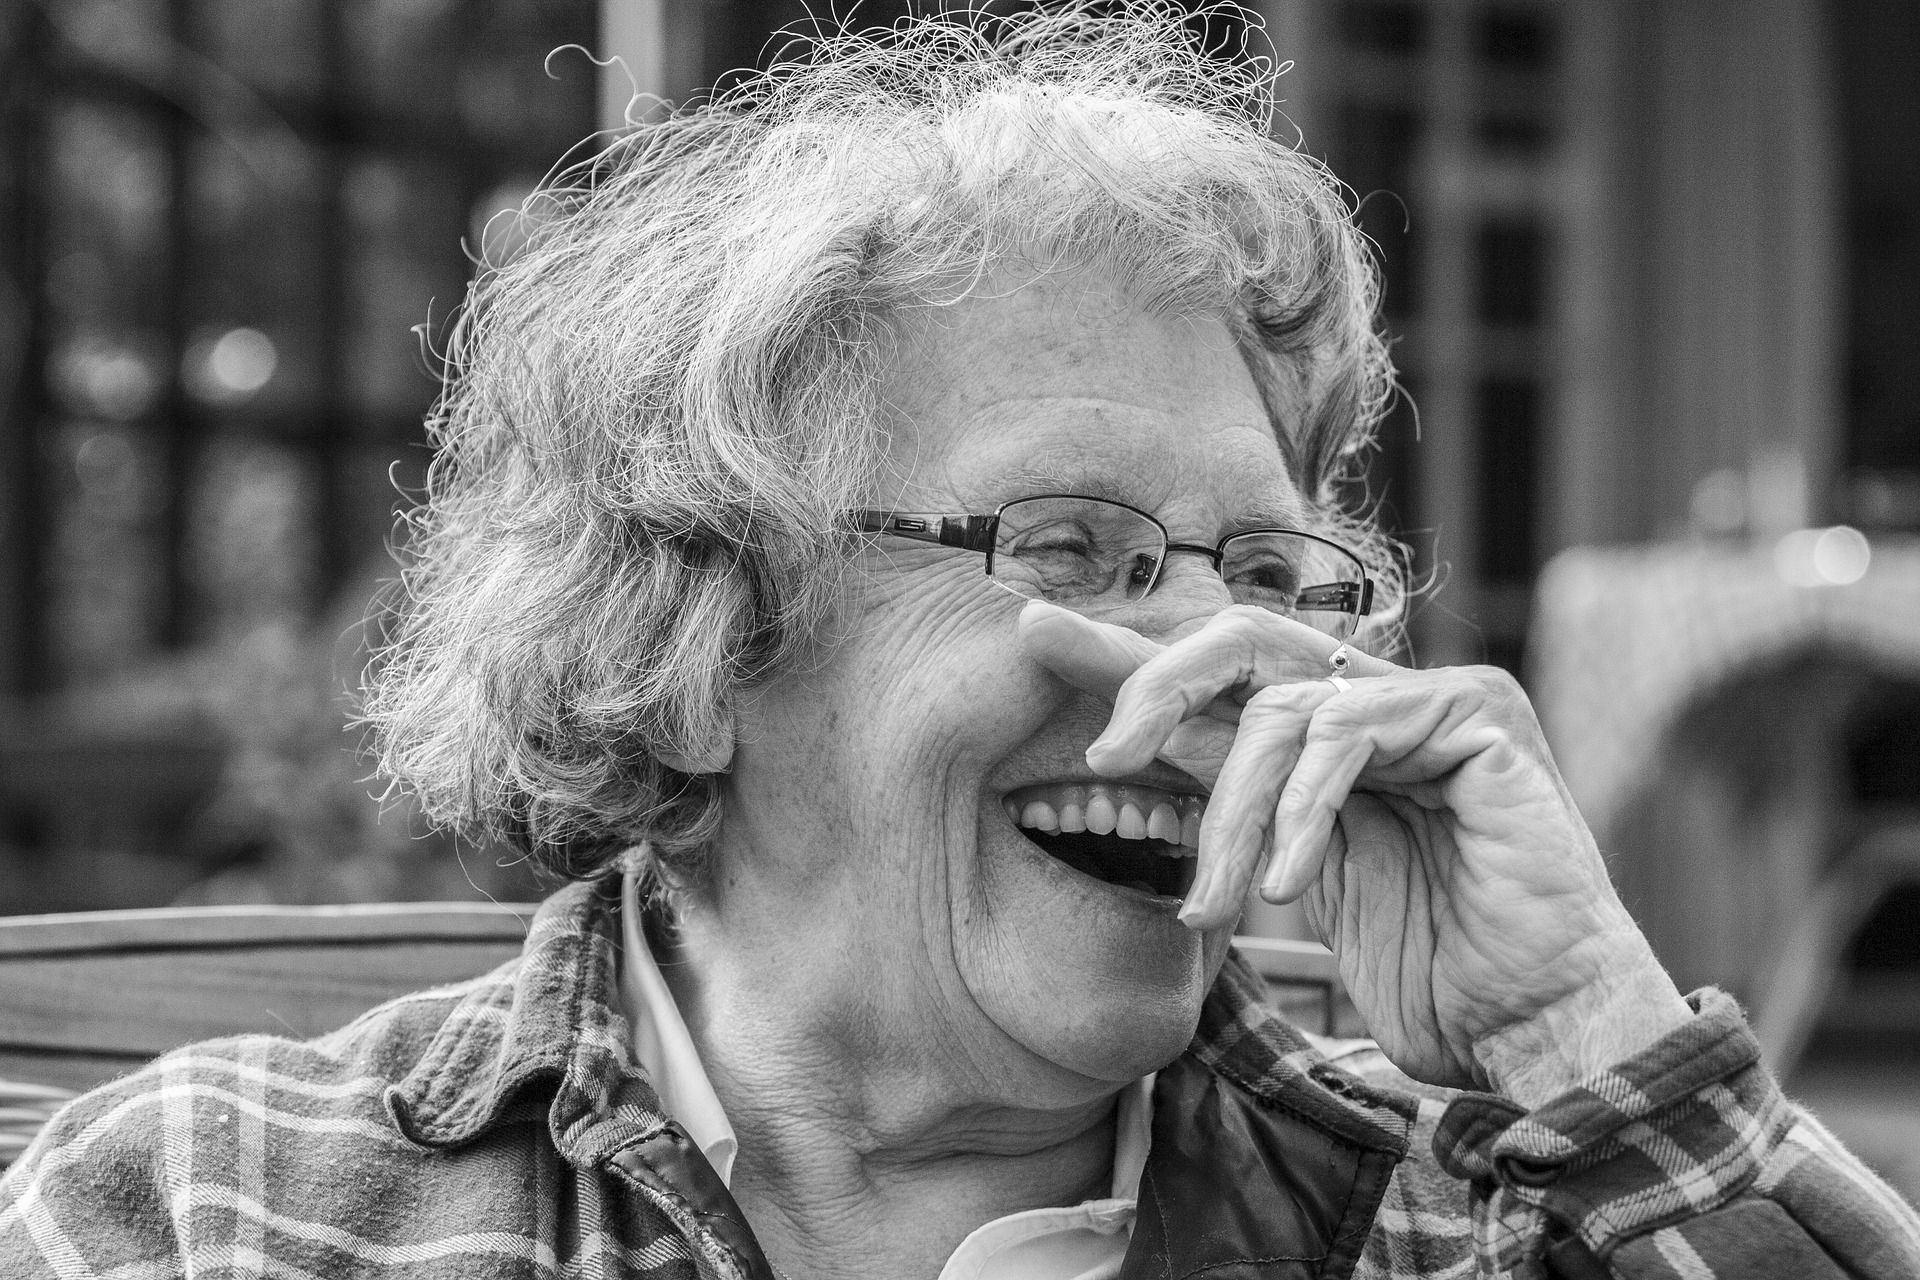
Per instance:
x=1212, y=555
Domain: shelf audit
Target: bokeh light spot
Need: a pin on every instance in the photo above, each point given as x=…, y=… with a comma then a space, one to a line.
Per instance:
x=105, y=464
x=243, y=360
x=1841, y=555
x=1834, y=557
x=231, y=367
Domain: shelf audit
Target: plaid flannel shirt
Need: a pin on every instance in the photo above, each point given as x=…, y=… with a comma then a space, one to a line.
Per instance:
x=500, y=1128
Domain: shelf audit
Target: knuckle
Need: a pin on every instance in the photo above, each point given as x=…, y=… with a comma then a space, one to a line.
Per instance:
x=1275, y=702
x=1272, y=696
x=1499, y=682
x=1339, y=718
x=1241, y=625
x=1504, y=696
x=1243, y=615
x=1366, y=700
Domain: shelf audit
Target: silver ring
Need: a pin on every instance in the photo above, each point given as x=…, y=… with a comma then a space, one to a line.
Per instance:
x=1339, y=684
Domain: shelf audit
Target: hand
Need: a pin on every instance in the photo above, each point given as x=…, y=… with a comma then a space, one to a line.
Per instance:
x=1420, y=814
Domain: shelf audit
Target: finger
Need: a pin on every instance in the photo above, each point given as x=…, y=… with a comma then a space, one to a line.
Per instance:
x=1337, y=750
x=1200, y=746
x=1240, y=647
x=1096, y=657
x=1234, y=833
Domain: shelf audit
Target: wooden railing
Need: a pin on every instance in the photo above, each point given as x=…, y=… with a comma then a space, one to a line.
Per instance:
x=89, y=996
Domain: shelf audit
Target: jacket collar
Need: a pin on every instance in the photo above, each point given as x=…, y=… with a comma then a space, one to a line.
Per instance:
x=552, y=1018
x=1266, y=1160
x=1242, y=1039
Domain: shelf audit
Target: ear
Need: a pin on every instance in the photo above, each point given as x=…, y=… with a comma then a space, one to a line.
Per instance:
x=711, y=755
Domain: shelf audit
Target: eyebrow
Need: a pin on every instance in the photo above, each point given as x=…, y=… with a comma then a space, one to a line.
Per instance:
x=1264, y=512
x=1270, y=513
x=1044, y=480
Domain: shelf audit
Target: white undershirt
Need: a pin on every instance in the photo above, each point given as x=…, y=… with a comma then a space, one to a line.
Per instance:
x=1080, y=1242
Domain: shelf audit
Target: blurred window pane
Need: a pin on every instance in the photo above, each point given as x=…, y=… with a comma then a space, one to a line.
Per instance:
x=404, y=268
x=1378, y=147
x=106, y=485
x=110, y=184
x=405, y=54
x=273, y=46
x=121, y=37
x=1384, y=26
x=253, y=554
x=1509, y=447
x=242, y=211
x=1517, y=133
x=1515, y=37
x=483, y=70
x=1512, y=268
x=1877, y=47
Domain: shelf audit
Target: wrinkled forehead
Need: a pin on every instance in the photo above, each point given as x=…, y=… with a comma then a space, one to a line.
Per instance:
x=1066, y=384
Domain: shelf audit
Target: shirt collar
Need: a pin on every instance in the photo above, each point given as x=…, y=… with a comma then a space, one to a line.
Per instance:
x=662, y=1045
x=1132, y=1134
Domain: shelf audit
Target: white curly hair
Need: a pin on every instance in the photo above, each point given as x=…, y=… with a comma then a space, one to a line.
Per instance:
x=656, y=412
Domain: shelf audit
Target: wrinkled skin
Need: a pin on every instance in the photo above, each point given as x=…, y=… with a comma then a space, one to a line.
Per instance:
x=1419, y=813
x=917, y=1020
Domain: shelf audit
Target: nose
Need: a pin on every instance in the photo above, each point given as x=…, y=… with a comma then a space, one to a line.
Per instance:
x=1188, y=593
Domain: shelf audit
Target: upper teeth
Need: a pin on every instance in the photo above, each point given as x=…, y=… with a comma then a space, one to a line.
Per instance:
x=1130, y=812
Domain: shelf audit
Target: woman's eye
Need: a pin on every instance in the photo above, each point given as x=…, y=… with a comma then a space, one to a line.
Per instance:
x=1275, y=579
x=1059, y=540
x=1054, y=546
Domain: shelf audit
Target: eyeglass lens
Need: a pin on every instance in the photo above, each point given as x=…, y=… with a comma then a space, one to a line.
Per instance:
x=1089, y=554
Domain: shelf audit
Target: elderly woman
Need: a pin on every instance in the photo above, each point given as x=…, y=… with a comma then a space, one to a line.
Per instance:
x=884, y=549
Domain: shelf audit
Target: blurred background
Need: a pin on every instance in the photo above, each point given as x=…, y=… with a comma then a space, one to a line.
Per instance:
x=1653, y=277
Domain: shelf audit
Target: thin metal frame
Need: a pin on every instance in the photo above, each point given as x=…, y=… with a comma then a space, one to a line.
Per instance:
x=978, y=532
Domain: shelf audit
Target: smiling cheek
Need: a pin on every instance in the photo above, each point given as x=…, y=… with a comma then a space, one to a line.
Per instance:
x=945, y=691
x=1069, y=972
x=874, y=778
x=861, y=767
x=1078, y=974
x=1058, y=962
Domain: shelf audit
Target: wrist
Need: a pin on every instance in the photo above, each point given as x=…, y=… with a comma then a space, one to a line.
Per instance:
x=1583, y=1033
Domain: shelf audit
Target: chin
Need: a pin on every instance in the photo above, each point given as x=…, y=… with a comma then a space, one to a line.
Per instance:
x=1080, y=952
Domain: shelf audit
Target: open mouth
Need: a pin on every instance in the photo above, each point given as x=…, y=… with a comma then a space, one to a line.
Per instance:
x=1139, y=838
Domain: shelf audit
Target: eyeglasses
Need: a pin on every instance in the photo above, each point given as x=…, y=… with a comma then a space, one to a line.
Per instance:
x=1092, y=554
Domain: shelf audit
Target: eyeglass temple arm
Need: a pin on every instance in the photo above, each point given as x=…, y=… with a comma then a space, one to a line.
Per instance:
x=1345, y=597
x=970, y=533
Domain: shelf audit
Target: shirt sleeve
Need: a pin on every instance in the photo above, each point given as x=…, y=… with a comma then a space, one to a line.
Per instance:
x=1684, y=1162
x=83, y=1200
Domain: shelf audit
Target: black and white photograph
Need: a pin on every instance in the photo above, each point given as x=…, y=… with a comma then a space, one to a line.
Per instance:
x=1010, y=640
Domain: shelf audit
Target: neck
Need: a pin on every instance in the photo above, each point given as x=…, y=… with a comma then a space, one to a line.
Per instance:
x=867, y=1149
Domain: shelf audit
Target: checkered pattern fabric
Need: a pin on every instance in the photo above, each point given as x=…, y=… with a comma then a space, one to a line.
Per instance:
x=500, y=1128
x=1686, y=1151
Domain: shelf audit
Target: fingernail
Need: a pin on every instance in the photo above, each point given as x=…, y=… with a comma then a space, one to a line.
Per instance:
x=1277, y=871
x=1194, y=908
